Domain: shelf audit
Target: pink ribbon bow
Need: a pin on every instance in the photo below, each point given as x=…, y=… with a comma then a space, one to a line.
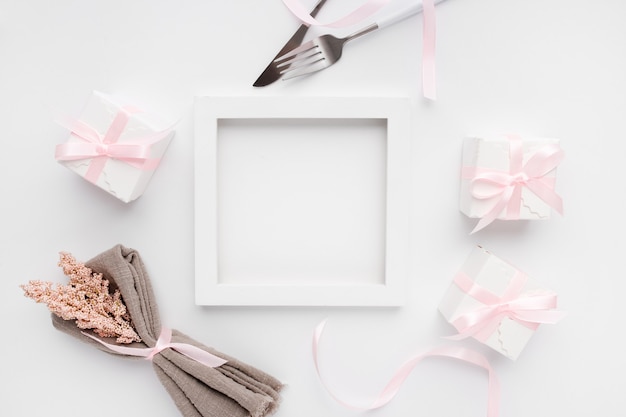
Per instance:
x=165, y=342
x=100, y=148
x=530, y=310
x=368, y=9
x=507, y=186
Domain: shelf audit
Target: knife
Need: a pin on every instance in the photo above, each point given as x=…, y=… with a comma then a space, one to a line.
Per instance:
x=271, y=73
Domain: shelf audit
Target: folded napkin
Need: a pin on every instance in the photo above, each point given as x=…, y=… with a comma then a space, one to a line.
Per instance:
x=234, y=389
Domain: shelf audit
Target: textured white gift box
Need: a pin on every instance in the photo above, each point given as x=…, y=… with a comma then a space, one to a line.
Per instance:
x=493, y=153
x=494, y=274
x=118, y=178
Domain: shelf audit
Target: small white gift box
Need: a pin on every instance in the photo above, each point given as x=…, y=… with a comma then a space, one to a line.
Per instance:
x=114, y=146
x=495, y=303
x=509, y=178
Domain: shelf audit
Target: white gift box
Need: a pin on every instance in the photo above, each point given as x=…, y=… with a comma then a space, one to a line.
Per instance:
x=135, y=142
x=493, y=319
x=486, y=157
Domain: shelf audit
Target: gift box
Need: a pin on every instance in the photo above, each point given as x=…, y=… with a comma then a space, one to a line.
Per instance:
x=497, y=304
x=509, y=178
x=114, y=146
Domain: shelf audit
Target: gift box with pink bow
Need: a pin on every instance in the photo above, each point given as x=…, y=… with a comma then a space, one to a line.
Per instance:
x=509, y=178
x=115, y=146
x=493, y=302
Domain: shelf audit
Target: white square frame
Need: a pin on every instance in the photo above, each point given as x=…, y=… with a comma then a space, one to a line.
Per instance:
x=208, y=110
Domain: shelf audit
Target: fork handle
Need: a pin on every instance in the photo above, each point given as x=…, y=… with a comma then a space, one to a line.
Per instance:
x=414, y=8
x=361, y=32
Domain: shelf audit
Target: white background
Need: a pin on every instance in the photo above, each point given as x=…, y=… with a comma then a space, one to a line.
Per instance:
x=547, y=68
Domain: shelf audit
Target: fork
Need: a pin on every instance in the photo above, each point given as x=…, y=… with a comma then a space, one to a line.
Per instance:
x=323, y=51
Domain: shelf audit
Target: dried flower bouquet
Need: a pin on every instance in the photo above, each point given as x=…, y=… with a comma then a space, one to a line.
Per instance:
x=86, y=299
x=111, y=294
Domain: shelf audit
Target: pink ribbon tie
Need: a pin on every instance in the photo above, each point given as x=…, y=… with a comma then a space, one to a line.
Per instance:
x=529, y=310
x=101, y=148
x=507, y=186
x=165, y=342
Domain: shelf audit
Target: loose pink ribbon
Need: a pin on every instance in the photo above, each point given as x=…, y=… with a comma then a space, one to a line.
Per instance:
x=368, y=9
x=429, y=79
x=165, y=342
x=392, y=388
x=507, y=186
x=529, y=310
x=363, y=12
x=100, y=148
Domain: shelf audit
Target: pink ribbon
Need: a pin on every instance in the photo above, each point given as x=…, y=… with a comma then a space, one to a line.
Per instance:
x=530, y=310
x=429, y=35
x=507, y=186
x=368, y=9
x=392, y=388
x=101, y=148
x=165, y=342
x=363, y=12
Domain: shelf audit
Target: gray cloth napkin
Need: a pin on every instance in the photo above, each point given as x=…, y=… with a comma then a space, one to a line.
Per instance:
x=234, y=389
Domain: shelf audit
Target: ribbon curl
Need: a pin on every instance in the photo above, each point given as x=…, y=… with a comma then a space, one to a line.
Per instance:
x=165, y=342
x=529, y=310
x=507, y=186
x=363, y=12
x=393, y=386
x=99, y=148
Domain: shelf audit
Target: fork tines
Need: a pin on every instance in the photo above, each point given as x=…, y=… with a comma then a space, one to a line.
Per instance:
x=305, y=59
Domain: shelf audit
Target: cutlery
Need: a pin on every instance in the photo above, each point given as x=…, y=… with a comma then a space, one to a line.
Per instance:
x=271, y=73
x=325, y=50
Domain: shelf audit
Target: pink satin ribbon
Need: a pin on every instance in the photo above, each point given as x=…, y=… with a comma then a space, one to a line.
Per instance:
x=529, y=310
x=429, y=36
x=100, y=148
x=507, y=186
x=366, y=10
x=165, y=342
x=363, y=12
x=392, y=388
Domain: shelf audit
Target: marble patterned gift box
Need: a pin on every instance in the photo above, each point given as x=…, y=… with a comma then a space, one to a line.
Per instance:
x=495, y=303
x=509, y=178
x=115, y=146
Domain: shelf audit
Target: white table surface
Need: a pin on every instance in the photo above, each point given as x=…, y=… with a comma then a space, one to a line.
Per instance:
x=547, y=68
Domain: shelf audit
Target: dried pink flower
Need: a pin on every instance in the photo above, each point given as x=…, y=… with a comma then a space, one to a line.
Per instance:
x=86, y=299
